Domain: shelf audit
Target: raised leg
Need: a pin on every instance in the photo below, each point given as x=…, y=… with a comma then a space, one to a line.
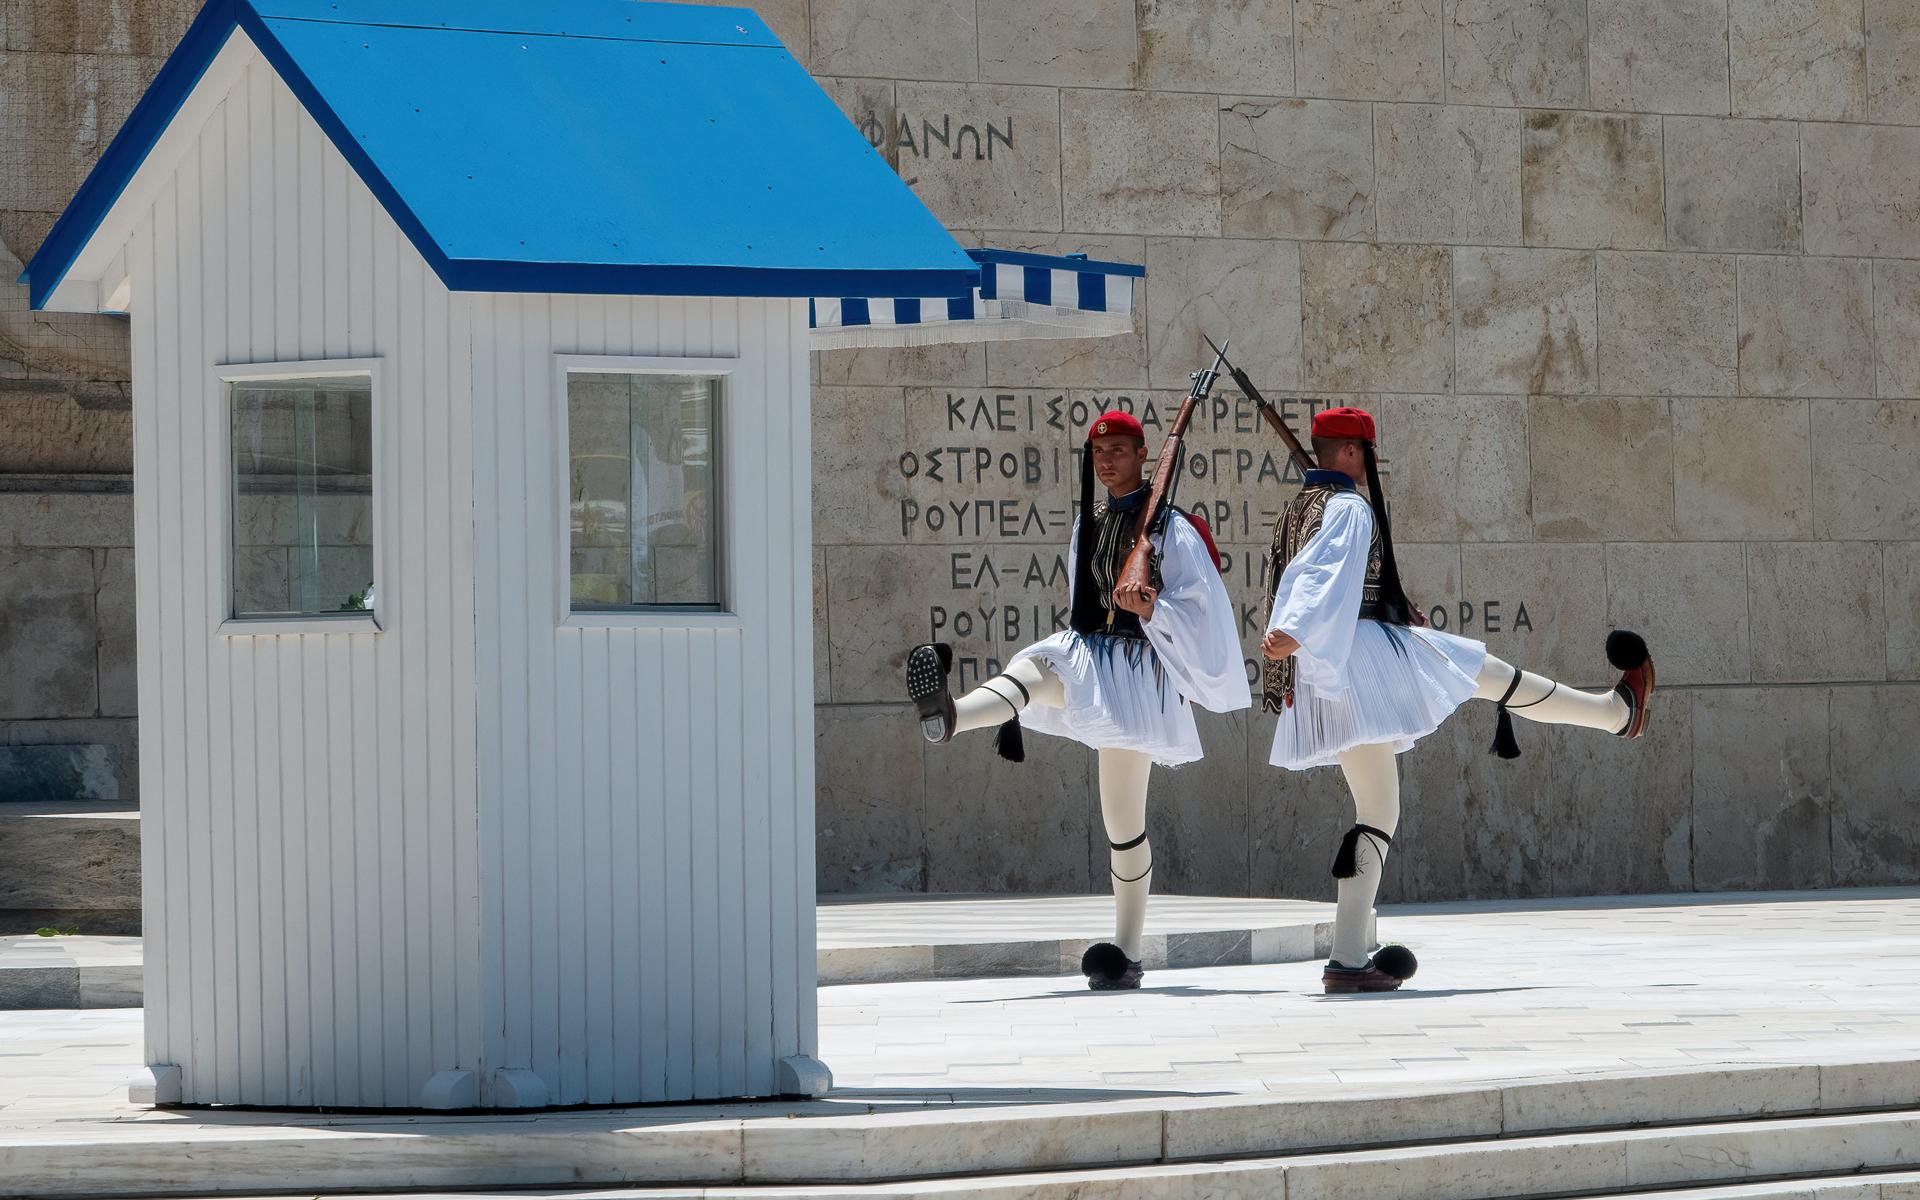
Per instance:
x=1540, y=699
x=1001, y=697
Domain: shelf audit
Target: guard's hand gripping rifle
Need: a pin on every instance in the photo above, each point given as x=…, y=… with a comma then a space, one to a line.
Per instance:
x=1138, y=570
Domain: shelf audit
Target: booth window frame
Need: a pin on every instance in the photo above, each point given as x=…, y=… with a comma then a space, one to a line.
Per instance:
x=726, y=614
x=224, y=376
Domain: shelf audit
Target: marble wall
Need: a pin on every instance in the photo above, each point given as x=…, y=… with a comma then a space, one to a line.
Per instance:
x=1633, y=285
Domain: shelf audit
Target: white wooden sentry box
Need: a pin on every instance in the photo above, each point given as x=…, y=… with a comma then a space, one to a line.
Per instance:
x=454, y=843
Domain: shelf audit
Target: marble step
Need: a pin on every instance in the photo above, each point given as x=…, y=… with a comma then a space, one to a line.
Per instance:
x=70, y=865
x=1596, y=1135
x=861, y=939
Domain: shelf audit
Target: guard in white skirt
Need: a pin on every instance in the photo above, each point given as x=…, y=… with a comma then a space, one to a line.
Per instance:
x=1123, y=678
x=1356, y=678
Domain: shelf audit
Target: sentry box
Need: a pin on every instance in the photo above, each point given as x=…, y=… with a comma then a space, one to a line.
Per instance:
x=473, y=536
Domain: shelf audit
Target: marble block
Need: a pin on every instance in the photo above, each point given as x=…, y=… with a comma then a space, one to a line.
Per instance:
x=1818, y=612
x=1805, y=59
x=944, y=364
x=1576, y=1103
x=1602, y=468
x=1377, y=317
x=1664, y=56
x=1896, y=328
x=48, y=640
x=1062, y=43
x=1562, y=588
x=1874, y=836
x=867, y=823
x=1369, y=49
x=1762, y=794
x=1591, y=179
x=78, y=27
x=1903, y=610
x=1689, y=599
x=1296, y=821
x=1530, y=53
x=1806, y=327
x=1222, y=46
x=869, y=104
x=901, y=39
x=984, y=467
x=1626, y=808
x=1511, y=814
x=77, y=102
x=1140, y=162
x=1860, y=184
x=70, y=858
x=1732, y=185
x=1667, y=324
x=978, y=806
x=1429, y=854
x=122, y=734
x=66, y=519
x=1243, y=291
x=56, y=774
x=1456, y=467
x=113, y=604
x=1296, y=168
x=52, y=425
x=1447, y=174
x=981, y=155
x=856, y=492
x=822, y=648
x=1866, y=457
x=1893, y=66
x=1111, y=362
x=1528, y=320
x=1742, y=469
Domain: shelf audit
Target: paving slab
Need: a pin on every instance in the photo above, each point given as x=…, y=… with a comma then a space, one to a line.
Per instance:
x=1526, y=1020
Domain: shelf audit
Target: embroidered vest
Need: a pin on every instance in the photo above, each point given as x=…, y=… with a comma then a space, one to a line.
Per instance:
x=1112, y=542
x=1298, y=522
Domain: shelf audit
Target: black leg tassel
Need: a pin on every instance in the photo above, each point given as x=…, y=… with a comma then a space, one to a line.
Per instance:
x=1346, y=863
x=1504, y=744
x=1011, y=745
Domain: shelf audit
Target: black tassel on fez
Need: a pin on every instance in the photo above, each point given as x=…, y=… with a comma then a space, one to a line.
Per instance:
x=1011, y=745
x=1504, y=744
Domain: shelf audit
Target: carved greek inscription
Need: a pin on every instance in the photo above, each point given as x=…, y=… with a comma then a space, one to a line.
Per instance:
x=964, y=141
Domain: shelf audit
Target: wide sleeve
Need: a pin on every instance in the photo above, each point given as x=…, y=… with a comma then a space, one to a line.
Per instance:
x=1193, y=629
x=1318, y=598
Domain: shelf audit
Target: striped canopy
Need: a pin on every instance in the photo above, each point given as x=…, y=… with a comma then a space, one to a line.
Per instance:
x=1018, y=296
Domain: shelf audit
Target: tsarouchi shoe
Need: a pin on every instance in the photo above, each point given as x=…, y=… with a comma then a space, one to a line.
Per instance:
x=1339, y=981
x=927, y=669
x=1108, y=969
x=1627, y=651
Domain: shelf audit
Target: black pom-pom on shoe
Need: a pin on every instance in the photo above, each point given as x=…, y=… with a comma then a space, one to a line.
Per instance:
x=1108, y=969
x=1626, y=650
x=1397, y=961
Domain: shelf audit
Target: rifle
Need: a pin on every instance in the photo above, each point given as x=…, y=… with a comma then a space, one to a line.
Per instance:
x=1138, y=570
x=1301, y=460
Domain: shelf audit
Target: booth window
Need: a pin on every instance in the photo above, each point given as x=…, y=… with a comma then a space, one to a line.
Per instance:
x=644, y=492
x=302, y=463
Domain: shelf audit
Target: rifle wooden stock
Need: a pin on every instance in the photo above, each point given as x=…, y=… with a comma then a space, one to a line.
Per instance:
x=1139, y=565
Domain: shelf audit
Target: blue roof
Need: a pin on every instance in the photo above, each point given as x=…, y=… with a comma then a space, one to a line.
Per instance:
x=606, y=146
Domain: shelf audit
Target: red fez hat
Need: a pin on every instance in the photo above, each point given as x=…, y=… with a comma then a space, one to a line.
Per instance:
x=1344, y=423
x=1114, y=423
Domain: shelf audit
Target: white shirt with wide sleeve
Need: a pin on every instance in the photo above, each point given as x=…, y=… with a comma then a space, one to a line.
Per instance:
x=1358, y=682
x=1132, y=695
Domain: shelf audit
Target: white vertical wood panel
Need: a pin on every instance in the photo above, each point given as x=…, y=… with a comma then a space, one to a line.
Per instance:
x=789, y=346
x=212, y=216
x=148, y=426
x=295, y=824
x=650, y=787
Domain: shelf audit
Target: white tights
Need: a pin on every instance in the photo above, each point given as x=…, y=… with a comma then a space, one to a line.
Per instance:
x=1373, y=776
x=1123, y=789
